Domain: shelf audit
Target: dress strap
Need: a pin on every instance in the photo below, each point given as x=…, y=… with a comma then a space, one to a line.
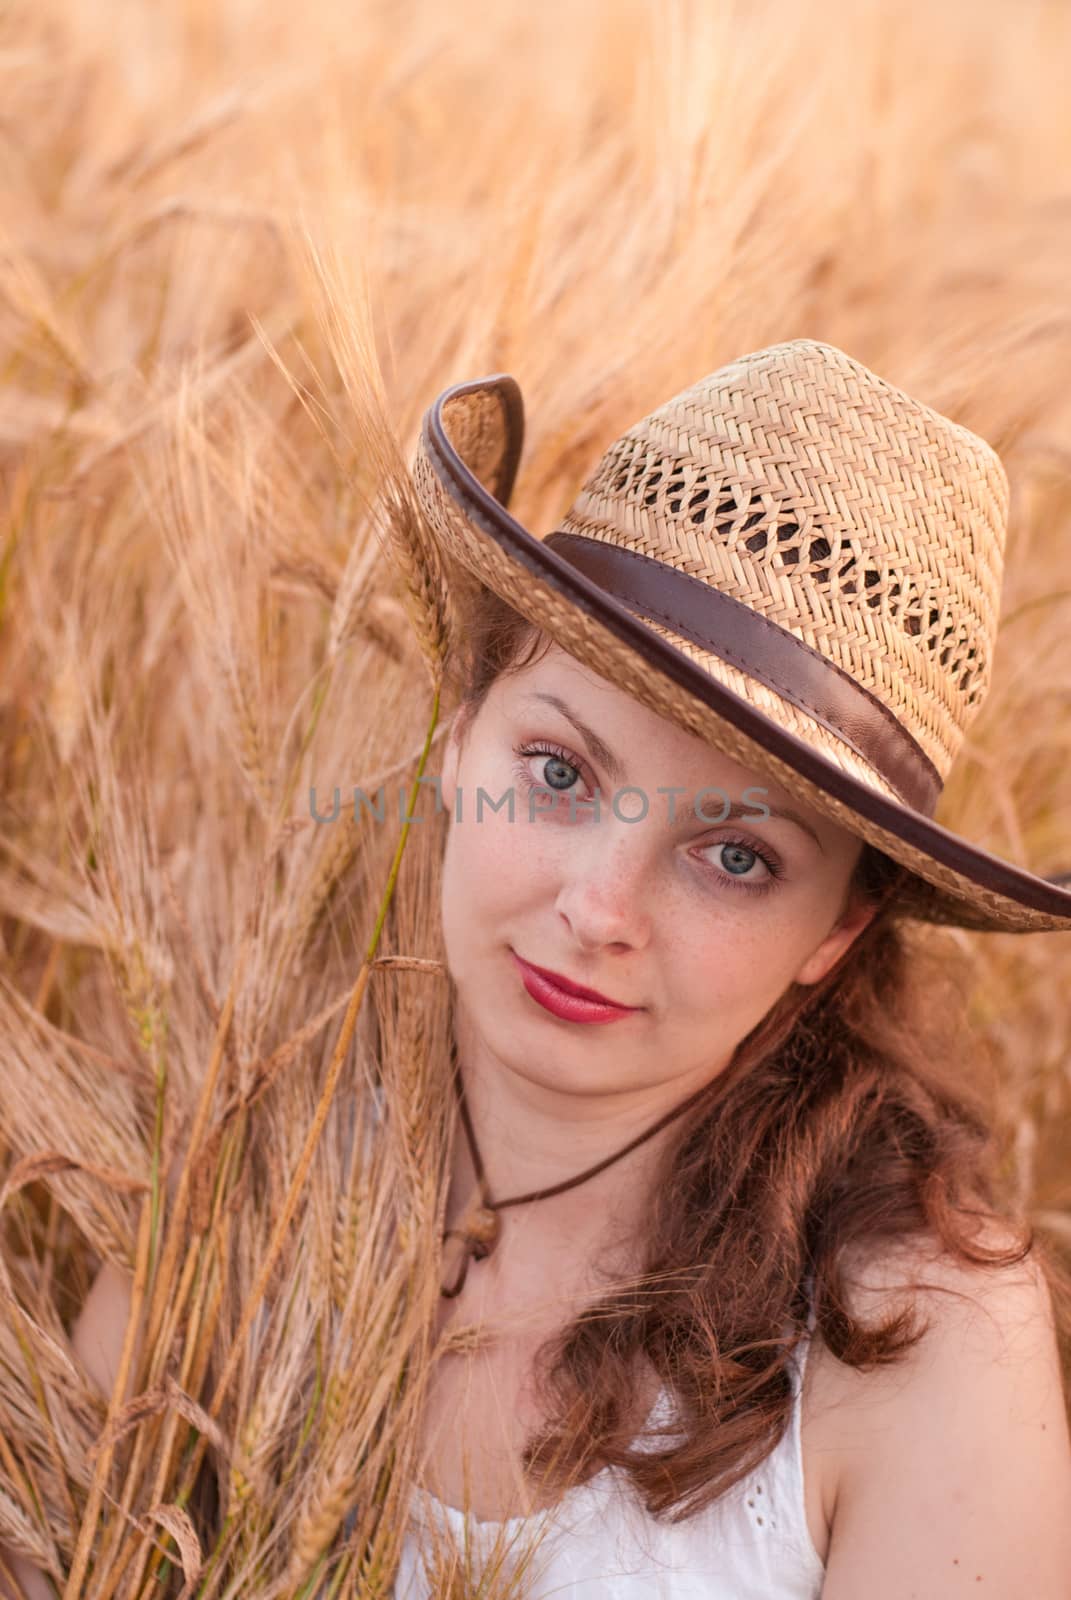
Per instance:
x=808, y=1284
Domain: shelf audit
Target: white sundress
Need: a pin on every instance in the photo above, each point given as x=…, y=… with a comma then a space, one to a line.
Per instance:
x=753, y=1543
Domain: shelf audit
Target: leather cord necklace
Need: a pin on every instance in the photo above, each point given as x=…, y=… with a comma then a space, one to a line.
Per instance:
x=480, y=1229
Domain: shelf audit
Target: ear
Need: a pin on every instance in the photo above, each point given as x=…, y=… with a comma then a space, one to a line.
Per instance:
x=849, y=926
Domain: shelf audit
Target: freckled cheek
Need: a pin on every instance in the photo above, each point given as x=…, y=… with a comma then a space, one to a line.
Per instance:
x=730, y=962
x=497, y=860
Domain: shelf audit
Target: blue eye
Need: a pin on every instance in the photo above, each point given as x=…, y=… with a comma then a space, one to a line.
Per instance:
x=736, y=880
x=557, y=759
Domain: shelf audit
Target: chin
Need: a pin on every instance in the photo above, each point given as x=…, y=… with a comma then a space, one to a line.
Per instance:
x=553, y=1065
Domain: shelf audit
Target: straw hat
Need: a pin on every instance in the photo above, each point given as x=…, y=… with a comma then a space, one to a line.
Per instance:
x=792, y=559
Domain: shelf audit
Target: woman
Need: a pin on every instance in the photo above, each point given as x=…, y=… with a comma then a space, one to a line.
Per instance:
x=738, y=1167
x=701, y=930
x=747, y=1115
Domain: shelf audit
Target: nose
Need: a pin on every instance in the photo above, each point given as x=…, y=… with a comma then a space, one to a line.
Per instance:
x=607, y=887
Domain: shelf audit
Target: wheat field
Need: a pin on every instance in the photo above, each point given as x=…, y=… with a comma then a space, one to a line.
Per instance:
x=242, y=248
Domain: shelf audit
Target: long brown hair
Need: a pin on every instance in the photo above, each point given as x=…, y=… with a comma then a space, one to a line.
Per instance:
x=844, y=1125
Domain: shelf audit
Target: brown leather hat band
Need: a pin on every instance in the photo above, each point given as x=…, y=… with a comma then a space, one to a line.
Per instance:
x=765, y=651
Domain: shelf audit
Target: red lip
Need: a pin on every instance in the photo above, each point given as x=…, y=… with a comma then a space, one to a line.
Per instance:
x=568, y=987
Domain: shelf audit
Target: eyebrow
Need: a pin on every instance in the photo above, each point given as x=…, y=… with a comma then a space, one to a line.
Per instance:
x=737, y=810
x=605, y=756
x=598, y=747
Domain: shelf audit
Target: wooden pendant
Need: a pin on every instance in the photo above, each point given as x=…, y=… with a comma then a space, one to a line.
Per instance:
x=481, y=1226
x=479, y=1234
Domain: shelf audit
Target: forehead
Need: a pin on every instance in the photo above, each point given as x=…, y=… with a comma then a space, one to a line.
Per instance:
x=630, y=732
x=634, y=745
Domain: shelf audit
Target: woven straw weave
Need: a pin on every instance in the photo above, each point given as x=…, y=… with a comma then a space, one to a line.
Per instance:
x=835, y=505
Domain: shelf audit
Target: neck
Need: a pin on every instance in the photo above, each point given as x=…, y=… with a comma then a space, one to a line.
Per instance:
x=532, y=1134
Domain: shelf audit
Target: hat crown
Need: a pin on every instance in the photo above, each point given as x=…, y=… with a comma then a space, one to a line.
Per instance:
x=836, y=506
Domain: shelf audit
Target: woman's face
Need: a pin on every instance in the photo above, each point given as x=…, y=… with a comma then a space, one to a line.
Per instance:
x=700, y=924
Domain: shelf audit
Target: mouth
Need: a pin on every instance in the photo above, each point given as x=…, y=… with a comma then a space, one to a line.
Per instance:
x=567, y=986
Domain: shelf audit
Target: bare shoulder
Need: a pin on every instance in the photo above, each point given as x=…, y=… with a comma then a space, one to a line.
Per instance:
x=947, y=1292
x=1003, y=1313
x=98, y=1332
x=963, y=1440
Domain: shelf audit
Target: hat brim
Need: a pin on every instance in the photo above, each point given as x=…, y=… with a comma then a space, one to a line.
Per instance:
x=464, y=471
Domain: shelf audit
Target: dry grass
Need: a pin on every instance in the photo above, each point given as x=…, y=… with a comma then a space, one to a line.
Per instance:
x=241, y=251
